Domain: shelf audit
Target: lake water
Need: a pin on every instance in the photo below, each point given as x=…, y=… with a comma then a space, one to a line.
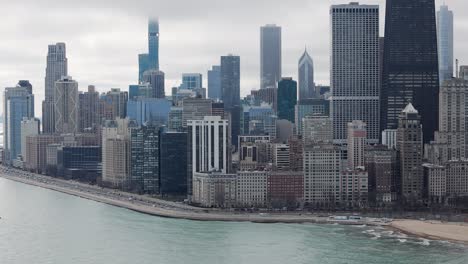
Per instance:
x=40, y=226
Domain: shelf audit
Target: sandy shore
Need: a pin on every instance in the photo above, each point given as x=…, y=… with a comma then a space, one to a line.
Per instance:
x=455, y=232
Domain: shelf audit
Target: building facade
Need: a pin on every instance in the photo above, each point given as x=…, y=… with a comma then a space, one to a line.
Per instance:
x=445, y=43
x=306, y=77
x=214, y=83
x=410, y=151
x=410, y=66
x=270, y=56
x=287, y=99
x=66, y=105
x=355, y=68
x=57, y=66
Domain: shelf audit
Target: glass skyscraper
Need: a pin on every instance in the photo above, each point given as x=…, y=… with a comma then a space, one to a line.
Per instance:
x=445, y=43
x=150, y=60
x=230, y=85
x=270, y=56
x=18, y=103
x=287, y=99
x=306, y=77
x=214, y=83
x=410, y=66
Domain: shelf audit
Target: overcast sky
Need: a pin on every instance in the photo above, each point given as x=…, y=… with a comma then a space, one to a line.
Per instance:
x=104, y=37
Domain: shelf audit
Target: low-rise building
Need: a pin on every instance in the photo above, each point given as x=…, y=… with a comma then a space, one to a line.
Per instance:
x=251, y=188
x=285, y=189
x=214, y=189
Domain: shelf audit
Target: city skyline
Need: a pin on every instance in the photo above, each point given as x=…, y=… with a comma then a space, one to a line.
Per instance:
x=99, y=55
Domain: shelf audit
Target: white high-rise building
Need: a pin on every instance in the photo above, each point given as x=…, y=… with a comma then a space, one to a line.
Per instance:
x=355, y=69
x=445, y=43
x=270, y=56
x=57, y=66
x=66, y=105
x=209, y=144
x=306, y=77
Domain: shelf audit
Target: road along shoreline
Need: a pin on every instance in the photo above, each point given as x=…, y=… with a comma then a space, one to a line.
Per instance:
x=453, y=232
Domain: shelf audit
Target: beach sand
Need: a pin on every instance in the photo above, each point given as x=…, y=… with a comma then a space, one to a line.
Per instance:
x=455, y=232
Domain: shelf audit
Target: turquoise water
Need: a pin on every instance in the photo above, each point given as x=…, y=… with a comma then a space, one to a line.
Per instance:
x=40, y=226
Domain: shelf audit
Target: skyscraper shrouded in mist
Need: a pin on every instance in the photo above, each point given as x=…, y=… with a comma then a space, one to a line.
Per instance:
x=445, y=43
x=355, y=68
x=230, y=85
x=270, y=56
x=410, y=67
x=306, y=77
x=150, y=60
x=57, y=66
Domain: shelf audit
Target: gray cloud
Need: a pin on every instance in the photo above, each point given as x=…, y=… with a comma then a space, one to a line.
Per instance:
x=103, y=37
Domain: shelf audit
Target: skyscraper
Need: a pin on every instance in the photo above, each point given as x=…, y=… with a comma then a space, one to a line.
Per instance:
x=144, y=151
x=150, y=60
x=88, y=117
x=173, y=176
x=214, y=83
x=230, y=85
x=66, y=105
x=410, y=152
x=357, y=137
x=270, y=56
x=208, y=146
x=445, y=43
x=355, y=68
x=287, y=99
x=306, y=77
x=153, y=43
x=410, y=71
x=113, y=104
x=156, y=80
x=57, y=66
x=18, y=103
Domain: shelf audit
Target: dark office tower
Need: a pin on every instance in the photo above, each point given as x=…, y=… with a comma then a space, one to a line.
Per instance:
x=287, y=99
x=88, y=107
x=25, y=84
x=57, y=66
x=173, y=163
x=144, y=151
x=411, y=72
x=270, y=56
x=214, y=83
x=355, y=69
x=230, y=86
x=156, y=80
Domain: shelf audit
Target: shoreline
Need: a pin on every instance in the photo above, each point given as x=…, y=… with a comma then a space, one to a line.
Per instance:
x=196, y=214
x=452, y=232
